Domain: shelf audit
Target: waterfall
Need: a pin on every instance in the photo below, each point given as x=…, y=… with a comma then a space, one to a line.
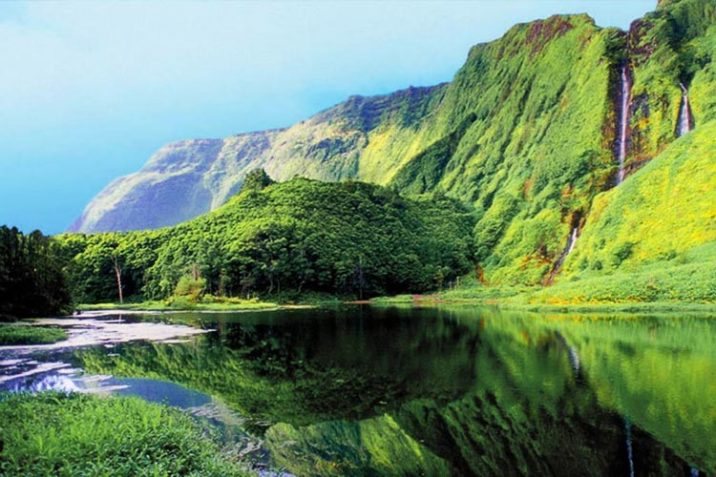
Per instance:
x=629, y=447
x=572, y=354
x=574, y=358
x=571, y=242
x=685, y=121
x=623, y=122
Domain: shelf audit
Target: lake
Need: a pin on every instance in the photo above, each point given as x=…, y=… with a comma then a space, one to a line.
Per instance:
x=361, y=390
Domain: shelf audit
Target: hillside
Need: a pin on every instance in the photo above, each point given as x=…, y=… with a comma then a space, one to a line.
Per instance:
x=301, y=235
x=188, y=178
x=532, y=129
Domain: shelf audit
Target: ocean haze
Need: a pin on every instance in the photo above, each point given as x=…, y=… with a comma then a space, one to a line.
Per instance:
x=90, y=91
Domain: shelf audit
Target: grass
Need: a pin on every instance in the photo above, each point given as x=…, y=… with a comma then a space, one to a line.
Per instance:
x=77, y=434
x=29, y=335
x=206, y=303
x=664, y=214
x=687, y=287
x=214, y=303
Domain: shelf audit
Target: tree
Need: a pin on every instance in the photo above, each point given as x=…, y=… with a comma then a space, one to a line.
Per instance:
x=32, y=277
x=118, y=274
x=257, y=180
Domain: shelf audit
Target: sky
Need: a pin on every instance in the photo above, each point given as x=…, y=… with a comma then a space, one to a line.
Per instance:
x=89, y=90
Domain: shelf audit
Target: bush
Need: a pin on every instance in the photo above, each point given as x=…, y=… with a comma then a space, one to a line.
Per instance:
x=190, y=287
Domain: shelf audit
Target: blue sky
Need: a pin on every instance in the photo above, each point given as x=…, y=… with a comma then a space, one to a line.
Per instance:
x=89, y=90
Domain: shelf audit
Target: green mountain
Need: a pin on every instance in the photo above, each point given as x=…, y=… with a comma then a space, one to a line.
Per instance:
x=188, y=178
x=537, y=131
x=295, y=236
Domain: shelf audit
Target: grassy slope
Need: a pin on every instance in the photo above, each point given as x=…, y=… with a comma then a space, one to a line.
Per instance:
x=625, y=255
x=652, y=238
x=509, y=117
x=668, y=254
x=670, y=46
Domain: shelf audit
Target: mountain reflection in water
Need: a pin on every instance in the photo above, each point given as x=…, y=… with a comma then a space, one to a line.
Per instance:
x=450, y=391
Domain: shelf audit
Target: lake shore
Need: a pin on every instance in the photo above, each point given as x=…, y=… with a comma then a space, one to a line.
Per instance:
x=168, y=306
x=629, y=307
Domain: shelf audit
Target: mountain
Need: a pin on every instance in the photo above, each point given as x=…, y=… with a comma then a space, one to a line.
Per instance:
x=295, y=236
x=185, y=179
x=534, y=131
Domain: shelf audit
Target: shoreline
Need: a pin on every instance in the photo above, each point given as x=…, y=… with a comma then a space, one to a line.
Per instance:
x=425, y=301
x=604, y=307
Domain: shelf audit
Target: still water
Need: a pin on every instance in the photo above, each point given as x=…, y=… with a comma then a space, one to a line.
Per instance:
x=409, y=391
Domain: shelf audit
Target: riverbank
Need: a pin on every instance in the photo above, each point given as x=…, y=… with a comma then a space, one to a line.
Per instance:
x=287, y=300
x=214, y=304
x=681, y=288
x=598, y=295
x=438, y=300
x=68, y=428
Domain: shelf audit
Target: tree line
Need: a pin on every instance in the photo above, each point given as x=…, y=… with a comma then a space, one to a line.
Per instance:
x=300, y=235
x=32, y=275
x=347, y=238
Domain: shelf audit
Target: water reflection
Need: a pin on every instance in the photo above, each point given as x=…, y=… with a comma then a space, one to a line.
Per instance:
x=366, y=391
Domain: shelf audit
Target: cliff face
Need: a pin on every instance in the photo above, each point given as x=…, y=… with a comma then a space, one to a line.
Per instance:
x=188, y=178
x=180, y=181
x=529, y=132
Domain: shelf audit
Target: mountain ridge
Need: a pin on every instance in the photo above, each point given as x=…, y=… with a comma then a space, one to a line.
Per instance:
x=527, y=132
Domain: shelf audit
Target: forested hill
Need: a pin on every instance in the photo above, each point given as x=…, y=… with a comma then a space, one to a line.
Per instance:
x=301, y=235
x=534, y=130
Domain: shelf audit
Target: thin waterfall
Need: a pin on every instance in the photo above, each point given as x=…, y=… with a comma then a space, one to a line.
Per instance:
x=571, y=242
x=572, y=354
x=629, y=447
x=685, y=119
x=574, y=359
x=623, y=122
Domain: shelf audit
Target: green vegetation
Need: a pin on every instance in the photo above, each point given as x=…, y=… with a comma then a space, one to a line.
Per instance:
x=524, y=137
x=301, y=235
x=29, y=335
x=483, y=180
x=68, y=435
x=554, y=396
x=525, y=133
x=276, y=367
x=667, y=47
x=678, y=186
x=32, y=282
x=204, y=303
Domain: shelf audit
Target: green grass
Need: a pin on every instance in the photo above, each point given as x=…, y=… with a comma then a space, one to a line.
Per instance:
x=29, y=335
x=658, y=287
x=663, y=215
x=72, y=435
x=207, y=303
